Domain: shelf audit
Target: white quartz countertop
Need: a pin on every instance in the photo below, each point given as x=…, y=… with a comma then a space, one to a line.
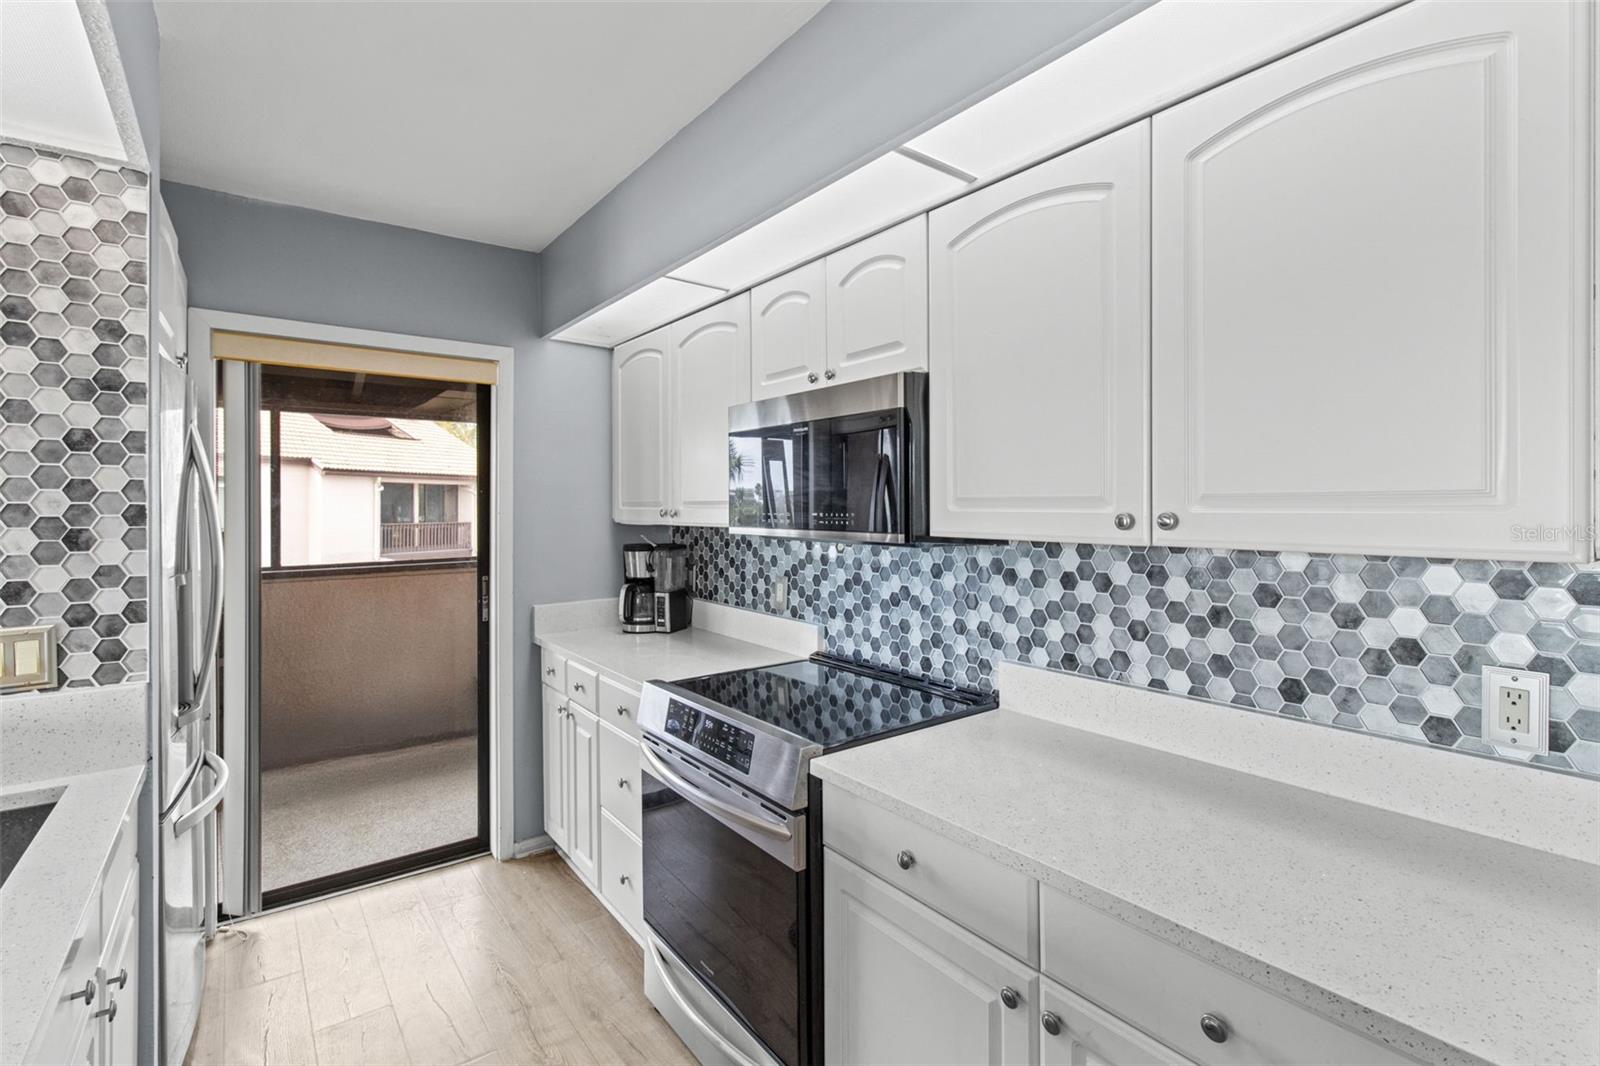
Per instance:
x=1446, y=945
x=641, y=657
x=84, y=750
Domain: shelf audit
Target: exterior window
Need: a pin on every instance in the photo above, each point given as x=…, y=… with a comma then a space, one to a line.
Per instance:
x=398, y=502
x=438, y=503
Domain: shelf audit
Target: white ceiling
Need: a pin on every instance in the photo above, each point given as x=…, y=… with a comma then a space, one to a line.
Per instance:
x=497, y=122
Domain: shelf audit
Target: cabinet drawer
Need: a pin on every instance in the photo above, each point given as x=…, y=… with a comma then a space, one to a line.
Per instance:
x=64, y=1019
x=1085, y=1034
x=553, y=669
x=1164, y=991
x=621, y=859
x=998, y=903
x=619, y=777
x=619, y=706
x=582, y=685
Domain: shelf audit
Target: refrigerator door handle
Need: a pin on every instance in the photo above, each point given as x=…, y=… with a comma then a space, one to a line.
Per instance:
x=198, y=682
x=202, y=810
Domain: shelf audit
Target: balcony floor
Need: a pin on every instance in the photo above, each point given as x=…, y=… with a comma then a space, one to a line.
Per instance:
x=339, y=814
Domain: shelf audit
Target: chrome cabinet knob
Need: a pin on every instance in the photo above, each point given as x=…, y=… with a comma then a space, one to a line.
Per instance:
x=662, y=512
x=829, y=374
x=108, y=1012
x=906, y=860
x=577, y=686
x=1215, y=1028
x=624, y=880
x=549, y=671
x=1166, y=520
x=1051, y=1022
x=86, y=994
x=1123, y=521
x=622, y=782
x=121, y=980
x=1009, y=997
x=676, y=512
x=622, y=712
x=811, y=378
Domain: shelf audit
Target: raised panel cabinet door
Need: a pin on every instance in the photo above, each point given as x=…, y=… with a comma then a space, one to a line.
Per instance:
x=556, y=757
x=119, y=1036
x=789, y=333
x=877, y=304
x=1075, y=1032
x=906, y=985
x=583, y=839
x=640, y=430
x=1370, y=293
x=708, y=373
x=1038, y=358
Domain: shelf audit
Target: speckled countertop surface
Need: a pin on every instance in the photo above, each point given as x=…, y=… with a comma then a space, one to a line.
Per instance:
x=84, y=748
x=641, y=657
x=1448, y=946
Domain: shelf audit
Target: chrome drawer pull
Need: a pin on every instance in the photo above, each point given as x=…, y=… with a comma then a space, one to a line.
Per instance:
x=87, y=995
x=1051, y=1022
x=906, y=860
x=1215, y=1028
x=1009, y=997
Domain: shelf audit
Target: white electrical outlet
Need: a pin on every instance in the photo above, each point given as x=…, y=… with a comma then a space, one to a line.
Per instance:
x=780, y=594
x=1516, y=709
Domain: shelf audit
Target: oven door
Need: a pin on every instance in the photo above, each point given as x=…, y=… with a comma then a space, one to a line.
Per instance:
x=725, y=890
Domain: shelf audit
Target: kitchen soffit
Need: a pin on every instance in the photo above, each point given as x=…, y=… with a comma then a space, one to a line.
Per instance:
x=1167, y=52
x=494, y=122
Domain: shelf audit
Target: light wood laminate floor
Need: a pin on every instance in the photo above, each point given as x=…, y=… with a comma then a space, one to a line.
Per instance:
x=480, y=962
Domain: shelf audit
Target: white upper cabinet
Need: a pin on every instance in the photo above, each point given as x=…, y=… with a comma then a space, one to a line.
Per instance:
x=1370, y=293
x=788, y=332
x=709, y=371
x=639, y=479
x=1039, y=351
x=877, y=304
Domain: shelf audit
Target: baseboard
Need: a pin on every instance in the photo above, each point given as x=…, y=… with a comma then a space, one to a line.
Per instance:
x=531, y=846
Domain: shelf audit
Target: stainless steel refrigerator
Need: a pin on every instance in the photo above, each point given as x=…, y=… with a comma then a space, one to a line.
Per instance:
x=191, y=773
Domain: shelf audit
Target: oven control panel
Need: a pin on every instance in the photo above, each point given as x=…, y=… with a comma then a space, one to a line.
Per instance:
x=723, y=741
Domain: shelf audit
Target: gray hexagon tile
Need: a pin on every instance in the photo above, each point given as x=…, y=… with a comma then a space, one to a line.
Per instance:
x=1389, y=645
x=72, y=409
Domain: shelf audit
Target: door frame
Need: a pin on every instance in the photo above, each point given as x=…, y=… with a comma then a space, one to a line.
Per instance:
x=237, y=897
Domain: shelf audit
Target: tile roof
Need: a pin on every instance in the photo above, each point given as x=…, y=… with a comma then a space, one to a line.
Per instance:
x=433, y=452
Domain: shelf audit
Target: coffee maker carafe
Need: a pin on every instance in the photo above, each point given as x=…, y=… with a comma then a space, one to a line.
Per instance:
x=636, y=605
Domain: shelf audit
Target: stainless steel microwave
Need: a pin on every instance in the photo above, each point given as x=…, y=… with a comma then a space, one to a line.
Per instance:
x=845, y=462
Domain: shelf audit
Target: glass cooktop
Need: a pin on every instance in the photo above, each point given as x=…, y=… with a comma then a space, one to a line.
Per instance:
x=833, y=704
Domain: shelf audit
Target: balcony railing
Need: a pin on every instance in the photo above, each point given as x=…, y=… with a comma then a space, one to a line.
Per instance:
x=424, y=538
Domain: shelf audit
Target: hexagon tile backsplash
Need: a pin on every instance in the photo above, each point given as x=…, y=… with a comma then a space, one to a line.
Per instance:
x=72, y=408
x=1387, y=644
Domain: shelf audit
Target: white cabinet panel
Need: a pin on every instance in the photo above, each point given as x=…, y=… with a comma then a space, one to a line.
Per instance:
x=1074, y=1032
x=639, y=479
x=905, y=985
x=1039, y=351
x=583, y=792
x=788, y=332
x=1370, y=292
x=877, y=304
x=708, y=373
x=622, y=873
x=619, y=777
x=557, y=754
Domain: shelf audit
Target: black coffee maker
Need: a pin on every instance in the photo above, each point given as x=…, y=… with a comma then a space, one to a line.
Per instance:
x=636, y=605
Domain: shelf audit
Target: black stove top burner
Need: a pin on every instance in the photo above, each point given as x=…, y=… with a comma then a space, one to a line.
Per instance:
x=833, y=703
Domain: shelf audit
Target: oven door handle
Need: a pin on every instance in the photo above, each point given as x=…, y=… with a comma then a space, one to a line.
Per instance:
x=709, y=803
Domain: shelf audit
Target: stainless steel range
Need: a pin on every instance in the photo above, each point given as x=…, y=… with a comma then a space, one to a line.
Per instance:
x=733, y=841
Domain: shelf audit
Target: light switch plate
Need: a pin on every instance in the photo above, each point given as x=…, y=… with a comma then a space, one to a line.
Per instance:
x=27, y=658
x=1516, y=709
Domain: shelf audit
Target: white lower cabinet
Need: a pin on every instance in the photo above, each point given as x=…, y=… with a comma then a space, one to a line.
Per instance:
x=591, y=787
x=907, y=982
x=557, y=756
x=583, y=832
x=907, y=985
x=1074, y=1032
x=95, y=1017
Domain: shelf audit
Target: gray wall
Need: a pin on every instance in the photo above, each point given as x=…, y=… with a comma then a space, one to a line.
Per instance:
x=858, y=78
x=258, y=258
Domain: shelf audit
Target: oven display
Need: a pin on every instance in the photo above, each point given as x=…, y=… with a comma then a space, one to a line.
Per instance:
x=726, y=742
x=723, y=741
